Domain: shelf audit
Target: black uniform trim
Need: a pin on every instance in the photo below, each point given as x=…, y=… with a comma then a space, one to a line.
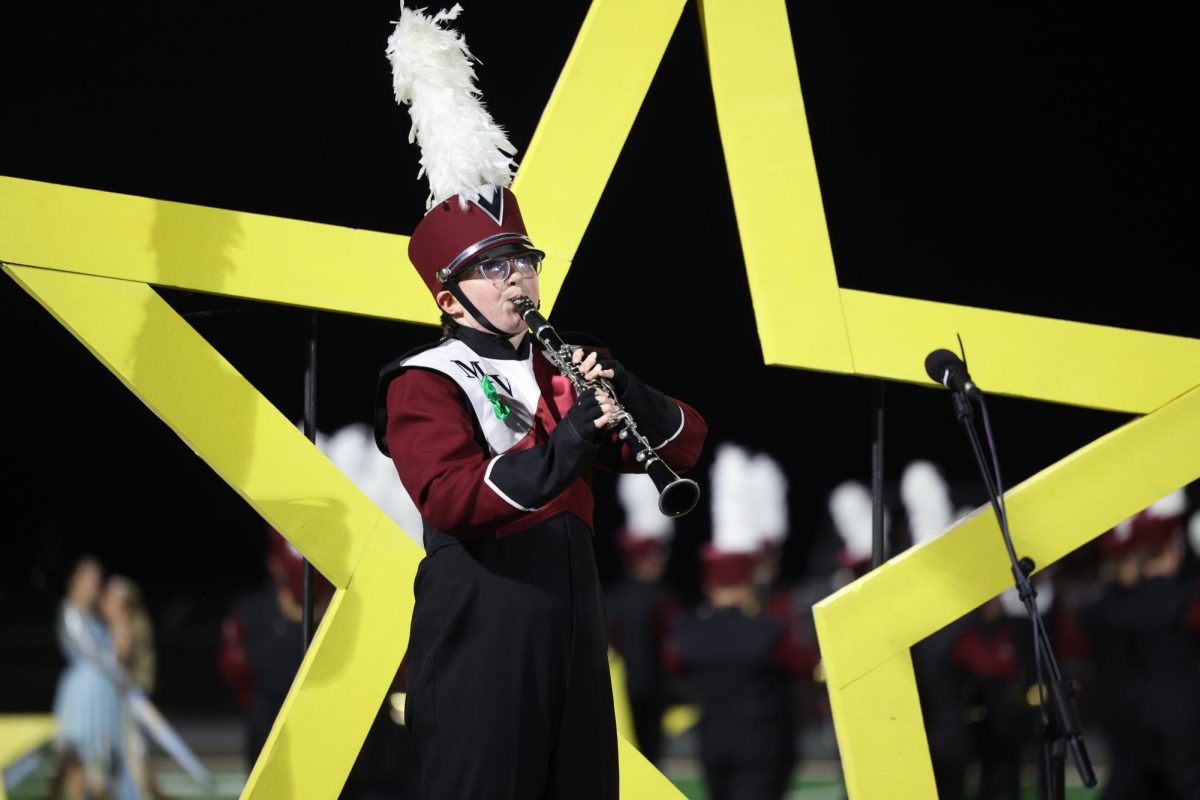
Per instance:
x=659, y=418
x=489, y=345
x=529, y=479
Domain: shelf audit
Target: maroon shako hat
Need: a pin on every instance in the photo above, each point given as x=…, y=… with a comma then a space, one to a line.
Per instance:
x=727, y=568
x=1149, y=530
x=456, y=235
x=465, y=155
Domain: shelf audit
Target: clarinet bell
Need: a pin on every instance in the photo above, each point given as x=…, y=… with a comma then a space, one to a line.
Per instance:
x=676, y=496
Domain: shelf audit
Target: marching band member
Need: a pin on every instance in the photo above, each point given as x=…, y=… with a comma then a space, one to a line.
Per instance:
x=929, y=510
x=1145, y=644
x=739, y=662
x=508, y=686
x=641, y=609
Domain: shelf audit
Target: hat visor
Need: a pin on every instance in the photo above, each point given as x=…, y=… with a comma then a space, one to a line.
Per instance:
x=499, y=251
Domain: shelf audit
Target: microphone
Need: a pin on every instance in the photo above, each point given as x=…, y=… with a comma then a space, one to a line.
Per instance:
x=948, y=369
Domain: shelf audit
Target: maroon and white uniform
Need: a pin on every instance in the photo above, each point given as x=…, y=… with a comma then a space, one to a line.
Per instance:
x=509, y=692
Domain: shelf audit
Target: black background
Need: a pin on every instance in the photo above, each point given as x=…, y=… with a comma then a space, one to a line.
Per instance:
x=1029, y=157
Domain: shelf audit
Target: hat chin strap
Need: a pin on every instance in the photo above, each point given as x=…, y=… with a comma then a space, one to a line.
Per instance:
x=458, y=294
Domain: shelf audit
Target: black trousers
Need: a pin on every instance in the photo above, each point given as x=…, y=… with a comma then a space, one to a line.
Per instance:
x=509, y=692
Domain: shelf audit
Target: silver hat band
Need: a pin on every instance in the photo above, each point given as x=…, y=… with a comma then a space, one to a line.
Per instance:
x=447, y=272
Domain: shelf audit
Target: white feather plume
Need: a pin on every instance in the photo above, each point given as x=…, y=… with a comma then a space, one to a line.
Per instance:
x=768, y=497
x=639, y=497
x=853, y=517
x=352, y=450
x=1173, y=505
x=735, y=529
x=1013, y=606
x=926, y=499
x=463, y=151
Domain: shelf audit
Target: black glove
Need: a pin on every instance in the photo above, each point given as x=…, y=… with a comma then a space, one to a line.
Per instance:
x=581, y=418
x=621, y=376
x=657, y=416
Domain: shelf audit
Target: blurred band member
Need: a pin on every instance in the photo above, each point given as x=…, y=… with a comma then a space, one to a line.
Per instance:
x=738, y=662
x=1144, y=631
x=640, y=609
x=262, y=640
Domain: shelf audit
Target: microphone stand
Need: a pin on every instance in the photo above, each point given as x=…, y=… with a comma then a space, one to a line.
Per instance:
x=879, y=552
x=1060, y=722
x=310, y=430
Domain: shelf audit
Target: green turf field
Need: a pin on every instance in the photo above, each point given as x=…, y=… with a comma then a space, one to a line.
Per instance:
x=228, y=785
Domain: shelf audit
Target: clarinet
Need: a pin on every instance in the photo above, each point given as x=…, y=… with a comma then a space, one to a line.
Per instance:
x=676, y=495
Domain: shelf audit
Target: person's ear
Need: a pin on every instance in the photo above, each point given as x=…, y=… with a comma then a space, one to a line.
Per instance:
x=449, y=303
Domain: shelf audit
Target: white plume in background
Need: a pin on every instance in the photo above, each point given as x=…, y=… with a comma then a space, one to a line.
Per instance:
x=853, y=517
x=639, y=497
x=352, y=450
x=768, y=497
x=734, y=525
x=462, y=149
x=1193, y=533
x=1173, y=505
x=926, y=498
x=1123, y=530
x=1011, y=601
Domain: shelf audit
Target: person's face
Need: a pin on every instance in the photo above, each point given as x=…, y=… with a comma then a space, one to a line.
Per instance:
x=85, y=584
x=113, y=601
x=493, y=297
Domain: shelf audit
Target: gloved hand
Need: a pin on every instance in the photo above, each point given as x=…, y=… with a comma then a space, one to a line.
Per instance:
x=658, y=416
x=589, y=416
x=595, y=364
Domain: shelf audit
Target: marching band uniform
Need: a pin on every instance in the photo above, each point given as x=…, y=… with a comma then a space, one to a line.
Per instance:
x=262, y=645
x=739, y=663
x=992, y=652
x=939, y=680
x=508, y=686
x=641, y=610
x=1144, y=634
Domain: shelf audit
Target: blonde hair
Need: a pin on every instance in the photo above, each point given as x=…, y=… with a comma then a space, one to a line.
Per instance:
x=140, y=661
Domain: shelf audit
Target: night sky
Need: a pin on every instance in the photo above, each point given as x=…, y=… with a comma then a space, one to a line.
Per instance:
x=1027, y=157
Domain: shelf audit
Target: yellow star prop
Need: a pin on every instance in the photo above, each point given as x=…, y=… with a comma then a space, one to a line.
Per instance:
x=96, y=280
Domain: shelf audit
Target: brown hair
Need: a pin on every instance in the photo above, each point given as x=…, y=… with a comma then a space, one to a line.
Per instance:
x=448, y=325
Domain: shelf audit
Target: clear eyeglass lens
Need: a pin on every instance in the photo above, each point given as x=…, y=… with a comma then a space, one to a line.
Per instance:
x=497, y=270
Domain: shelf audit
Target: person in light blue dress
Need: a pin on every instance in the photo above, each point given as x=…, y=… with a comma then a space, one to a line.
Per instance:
x=87, y=703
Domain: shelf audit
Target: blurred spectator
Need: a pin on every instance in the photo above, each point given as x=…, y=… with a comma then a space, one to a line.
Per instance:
x=133, y=644
x=87, y=703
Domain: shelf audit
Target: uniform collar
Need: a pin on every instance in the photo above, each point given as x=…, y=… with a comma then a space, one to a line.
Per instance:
x=489, y=345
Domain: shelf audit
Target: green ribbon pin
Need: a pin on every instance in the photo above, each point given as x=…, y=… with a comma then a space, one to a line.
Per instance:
x=498, y=406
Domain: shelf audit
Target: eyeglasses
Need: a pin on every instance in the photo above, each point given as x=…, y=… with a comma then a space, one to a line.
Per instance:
x=498, y=270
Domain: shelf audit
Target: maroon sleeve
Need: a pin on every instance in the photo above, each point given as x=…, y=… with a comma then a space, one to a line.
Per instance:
x=1191, y=619
x=672, y=656
x=459, y=487
x=988, y=656
x=431, y=437
x=791, y=652
x=232, y=660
